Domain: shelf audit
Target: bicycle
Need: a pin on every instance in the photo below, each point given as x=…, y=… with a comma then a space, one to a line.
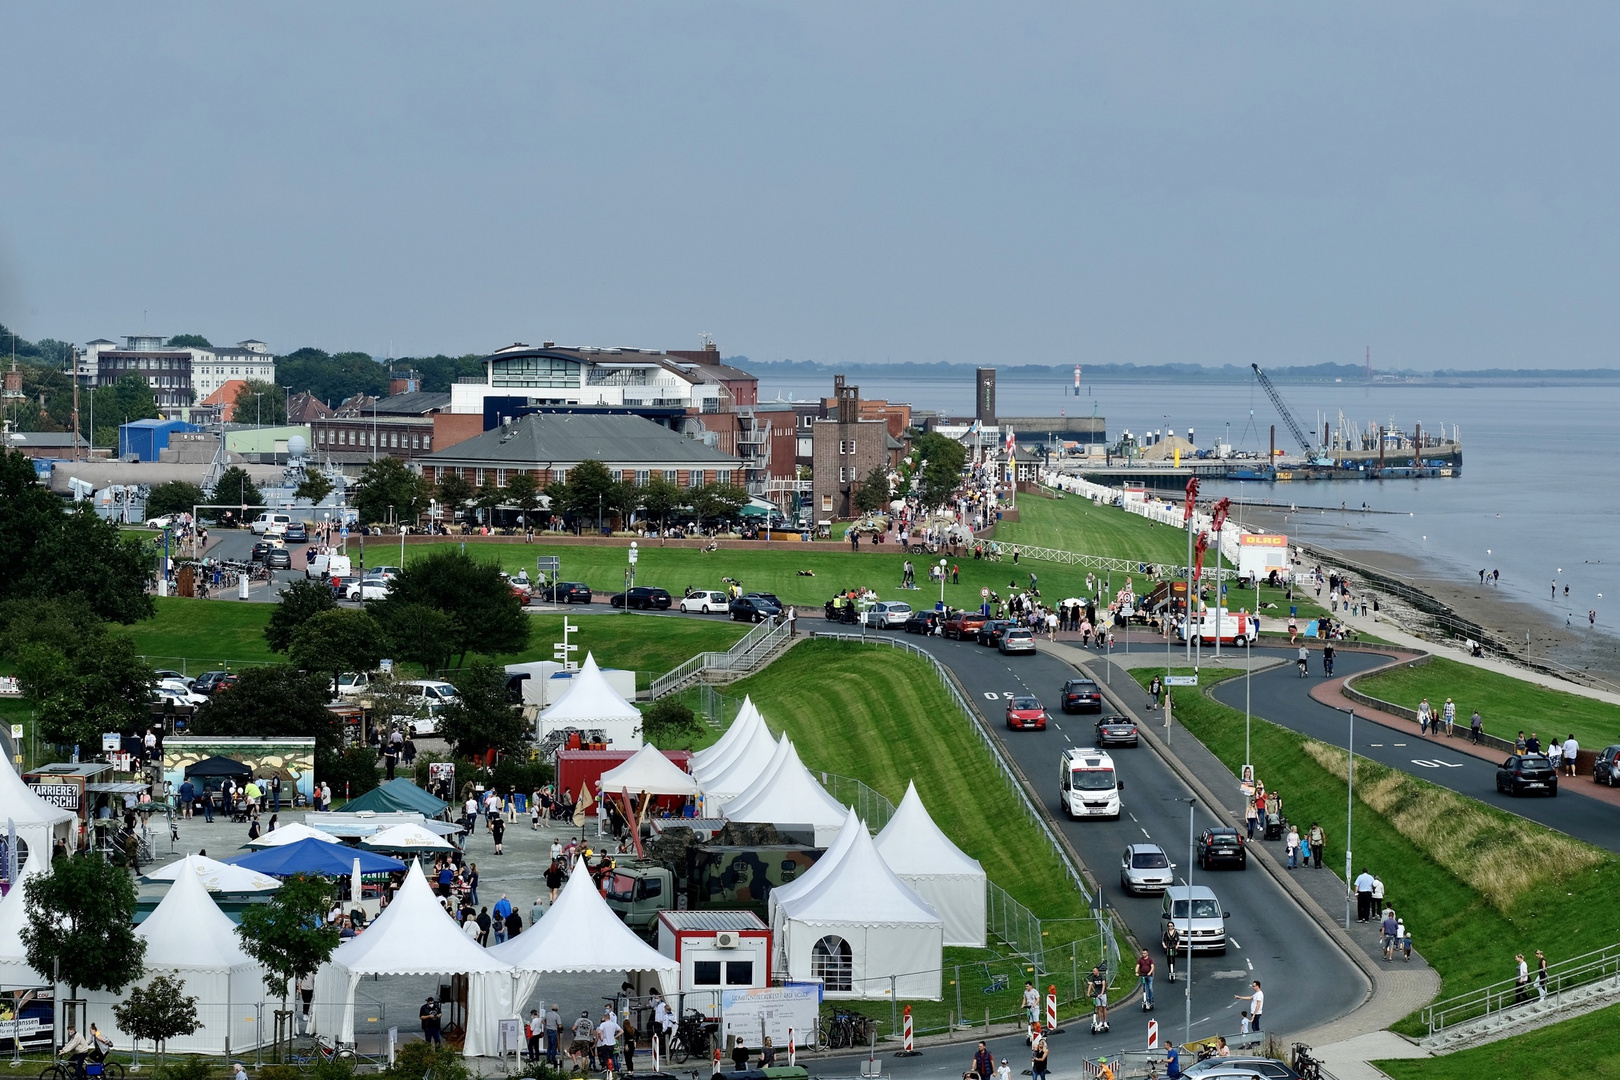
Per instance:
x=691, y=1038
x=997, y=984
x=85, y=1070
x=324, y=1053
x=1305, y=1065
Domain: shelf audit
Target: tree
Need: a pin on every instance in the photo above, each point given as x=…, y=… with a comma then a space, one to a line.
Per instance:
x=719, y=501
x=523, y=492
x=483, y=719
x=390, y=487
x=943, y=473
x=670, y=721
x=157, y=1012
x=331, y=378
x=80, y=679
x=259, y=402
x=130, y=398
x=236, y=488
x=587, y=482
x=337, y=641
x=873, y=494
x=487, y=498
x=624, y=499
x=660, y=498
x=81, y=924
x=455, y=492
x=486, y=617
x=175, y=497
x=417, y=633
x=271, y=700
x=289, y=935
x=189, y=341
x=300, y=602
x=314, y=487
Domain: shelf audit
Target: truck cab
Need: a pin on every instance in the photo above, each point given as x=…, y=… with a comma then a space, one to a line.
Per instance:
x=1087, y=784
x=638, y=892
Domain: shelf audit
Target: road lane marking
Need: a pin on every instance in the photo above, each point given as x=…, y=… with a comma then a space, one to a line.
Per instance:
x=1147, y=834
x=1132, y=816
x=1233, y=942
x=991, y=695
x=1246, y=960
x=1435, y=763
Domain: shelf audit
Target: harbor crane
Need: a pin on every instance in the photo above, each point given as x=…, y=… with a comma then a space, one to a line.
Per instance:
x=1312, y=455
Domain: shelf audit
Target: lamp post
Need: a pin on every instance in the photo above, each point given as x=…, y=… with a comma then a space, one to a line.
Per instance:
x=1192, y=808
x=630, y=574
x=942, y=584
x=1349, y=808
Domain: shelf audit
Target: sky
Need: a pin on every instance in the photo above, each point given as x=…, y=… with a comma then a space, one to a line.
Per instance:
x=1024, y=183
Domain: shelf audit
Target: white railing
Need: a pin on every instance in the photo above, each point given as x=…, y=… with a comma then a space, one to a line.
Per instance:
x=735, y=662
x=1158, y=510
x=1600, y=965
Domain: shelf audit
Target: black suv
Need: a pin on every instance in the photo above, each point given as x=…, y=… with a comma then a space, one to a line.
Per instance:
x=1221, y=845
x=566, y=592
x=1082, y=695
x=1527, y=772
x=1606, y=770
x=921, y=622
x=991, y=632
x=753, y=608
x=642, y=596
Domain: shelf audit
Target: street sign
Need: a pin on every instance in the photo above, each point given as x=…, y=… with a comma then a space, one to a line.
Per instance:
x=551, y=563
x=16, y=732
x=1181, y=680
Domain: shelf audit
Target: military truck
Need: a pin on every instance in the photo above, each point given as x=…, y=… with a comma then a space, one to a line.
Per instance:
x=676, y=875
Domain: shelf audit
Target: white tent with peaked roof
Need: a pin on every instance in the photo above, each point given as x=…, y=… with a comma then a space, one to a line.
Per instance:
x=942, y=873
x=14, y=970
x=189, y=937
x=649, y=771
x=591, y=704
x=713, y=759
x=38, y=822
x=291, y=833
x=736, y=776
x=216, y=876
x=807, y=881
x=862, y=931
x=414, y=936
x=787, y=794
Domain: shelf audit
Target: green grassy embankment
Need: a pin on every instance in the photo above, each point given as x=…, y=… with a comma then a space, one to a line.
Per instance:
x=1505, y=703
x=1578, y=1049
x=1474, y=884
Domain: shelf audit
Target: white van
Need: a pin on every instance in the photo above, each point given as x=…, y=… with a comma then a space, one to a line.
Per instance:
x=1087, y=785
x=267, y=521
x=1241, y=629
x=1194, y=909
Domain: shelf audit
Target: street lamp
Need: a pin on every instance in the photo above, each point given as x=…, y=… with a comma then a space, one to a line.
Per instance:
x=1192, y=807
x=942, y=584
x=1349, y=807
x=630, y=574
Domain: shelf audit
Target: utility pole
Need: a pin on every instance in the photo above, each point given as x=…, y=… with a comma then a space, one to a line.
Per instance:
x=78, y=432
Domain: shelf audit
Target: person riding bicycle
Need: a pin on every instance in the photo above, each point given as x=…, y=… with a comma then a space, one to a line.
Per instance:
x=1304, y=660
x=1327, y=660
x=76, y=1047
x=100, y=1045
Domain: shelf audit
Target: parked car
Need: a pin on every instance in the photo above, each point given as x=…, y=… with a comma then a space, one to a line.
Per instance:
x=643, y=597
x=963, y=625
x=753, y=609
x=1221, y=845
x=278, y=559
x=353, y=684
x=1527, y=772
x=1017, y=639
x=1025, y=713
x=1081, y=695
x=990, y=633
x=297, y=533
x=922, y=622
x=367, y=588
x=177, y=691
x=566, y=592
x=1606, y=770
x=1116, y=731
x=705, y=601
x=1218, y=1068
x=1145, y=868
x=770, y=596
x=208, y=681
x=160, y=522
x=886, y=614
x=170, y=673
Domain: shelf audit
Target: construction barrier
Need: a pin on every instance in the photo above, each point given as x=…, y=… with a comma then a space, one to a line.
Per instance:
x=1051, y=1010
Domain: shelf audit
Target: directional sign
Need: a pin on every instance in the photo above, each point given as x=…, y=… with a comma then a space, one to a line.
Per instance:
x=552, y=563
x=1181, y=680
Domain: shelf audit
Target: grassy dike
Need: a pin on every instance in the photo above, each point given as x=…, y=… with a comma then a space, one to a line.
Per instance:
x=1474, y=884
x=1578, y=1049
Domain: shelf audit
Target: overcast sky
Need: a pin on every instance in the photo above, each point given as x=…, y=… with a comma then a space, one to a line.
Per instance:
x=1140, y=182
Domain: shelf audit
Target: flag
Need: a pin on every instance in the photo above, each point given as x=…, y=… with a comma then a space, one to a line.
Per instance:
x=973, y=429
x=585, y=803
x=1011, y=444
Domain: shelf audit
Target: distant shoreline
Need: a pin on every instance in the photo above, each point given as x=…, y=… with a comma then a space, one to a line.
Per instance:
x=1183, y=373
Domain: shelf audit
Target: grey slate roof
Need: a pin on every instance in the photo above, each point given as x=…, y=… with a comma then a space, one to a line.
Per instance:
x=420, y=403
x=540, y=440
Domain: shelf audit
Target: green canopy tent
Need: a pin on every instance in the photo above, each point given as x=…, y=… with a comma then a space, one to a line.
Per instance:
x=397, y=795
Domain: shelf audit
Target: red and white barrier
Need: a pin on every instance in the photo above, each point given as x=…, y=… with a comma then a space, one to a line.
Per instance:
x=1051, y=1009
x=793, y=1049
x=909, y=1050
x=907, y=1023
x=1153, y=1035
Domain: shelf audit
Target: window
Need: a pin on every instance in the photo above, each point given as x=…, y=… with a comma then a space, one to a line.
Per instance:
x=826, y=504
x=694, y=479
x=427, y=442
x=832, y=962
x=618, y=476
x=672, y=476
x=642, y=476
x=740, y=973
x=722, y=476
x=806, y=448
x=393, y=438
x=561, y=475
x=500, y=477
x=534, y=371
x=706, y=973
x=479, y=478
x=843, y=475
x=343, y=437
x=416, y=442
x=806, y=420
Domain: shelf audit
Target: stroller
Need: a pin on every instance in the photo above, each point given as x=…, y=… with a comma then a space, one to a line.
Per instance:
x=1276, y=826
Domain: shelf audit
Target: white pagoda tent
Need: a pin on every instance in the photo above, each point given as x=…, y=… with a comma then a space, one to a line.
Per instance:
x=292, y=833
x=414, y=936
x=712, y=759
x=941, y=873
x=15, y=974
x=216, y=876
x=731, y=779
x=648, y=771
x=806, y=882
x=787, y=794
x=591, y=704
x=862, y=931
x=39, y=823
x=189, y=937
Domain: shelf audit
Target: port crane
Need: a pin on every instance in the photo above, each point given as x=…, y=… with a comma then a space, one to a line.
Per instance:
x=1314, y=456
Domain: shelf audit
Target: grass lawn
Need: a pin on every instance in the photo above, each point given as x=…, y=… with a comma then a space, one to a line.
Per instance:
x=1474, y=884
x=647, y=645
x=1579, y=1048
x=1506, y=704
x=202, y=634
x=1072, y=523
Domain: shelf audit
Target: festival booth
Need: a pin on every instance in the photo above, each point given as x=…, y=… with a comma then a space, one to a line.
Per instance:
x=711, y=760
x=398, y=795
x=861, y=931
x=578, y=934
x=15, y=974
x=648, y=772
x=39, y=822
x=406, y=838
x=283, y=835
x=726, y=781
x=590, y=708
x=786, y=794
x=415, y=936
x=215, y=875
x=189, y=937
x=941, y=873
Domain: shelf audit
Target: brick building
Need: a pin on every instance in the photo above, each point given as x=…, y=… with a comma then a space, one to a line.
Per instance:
x=845, y=448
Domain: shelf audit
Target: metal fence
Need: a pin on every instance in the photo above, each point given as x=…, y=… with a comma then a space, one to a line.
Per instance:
x=872, y=805
x=755, y=647
x=1589, y=970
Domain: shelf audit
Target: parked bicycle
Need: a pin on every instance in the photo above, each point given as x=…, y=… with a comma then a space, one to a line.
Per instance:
x=323, y=1051
x=691, y=1038
x=1308, y=1067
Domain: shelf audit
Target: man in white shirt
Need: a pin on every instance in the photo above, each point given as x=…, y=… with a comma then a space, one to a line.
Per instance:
x=1257, y=1004
x=607, y=1037
x=1571, y=748
x=1364, y=895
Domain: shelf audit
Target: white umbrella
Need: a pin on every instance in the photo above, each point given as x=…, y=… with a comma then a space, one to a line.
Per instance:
x=354, y=886
x=216, y=876
x=406, y=838
x=291, y=834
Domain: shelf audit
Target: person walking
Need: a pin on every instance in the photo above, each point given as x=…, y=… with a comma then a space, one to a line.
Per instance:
x=429, y=1014
x=534, y=1030
x=1156, y=688
x=1541, y=975
x=584, y=1036
x=1318, y=840
x=1378, y=893
x=1304, y=848
x=1251, y=815
x=1364, y=896
x=1257, y=1004
x=983, y=1064
x=1292, y=842
x=1571, y=748
x=1389, y=932
x=553, y=1033
x=1521, y=981
x=1041, y=1058
x=497, y=828
x=1423, y=718
x=1476, y=726
x=1448, y=713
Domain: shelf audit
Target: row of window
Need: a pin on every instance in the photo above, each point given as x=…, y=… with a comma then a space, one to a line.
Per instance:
x=160, y=363
x=695, y=478
x=362, y=436
x=846, y=446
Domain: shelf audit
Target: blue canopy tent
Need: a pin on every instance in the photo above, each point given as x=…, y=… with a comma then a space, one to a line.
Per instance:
x=311, y=856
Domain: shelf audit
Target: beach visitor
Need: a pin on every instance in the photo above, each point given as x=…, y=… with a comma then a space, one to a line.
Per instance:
x=1571, y=748
x=1448, y=712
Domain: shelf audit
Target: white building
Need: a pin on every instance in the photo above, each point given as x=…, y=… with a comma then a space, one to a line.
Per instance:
x=588, y=375
x=213, y=368
x=179, y=375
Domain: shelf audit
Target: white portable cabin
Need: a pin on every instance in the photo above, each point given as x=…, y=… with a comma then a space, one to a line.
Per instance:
x=716, y=950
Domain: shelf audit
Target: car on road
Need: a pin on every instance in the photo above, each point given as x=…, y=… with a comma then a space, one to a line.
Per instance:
x=368, y=588
x=752, y=609
x=297, y=533
x=566, y=592
x=1221, y=845
x=705, y=601
x=1145, y=868
x=160, y=522
x=261, y=551
x=1220, y=1068
x=520, y=594
x=1116, y=731
x=963, y=625
x=264, y=523
x=886, y=614
x=1081, y=695
x=643, y=597
x=1017, y=639
x=278, y=559
x=990, y=633
x=1606, y=769
x=1524, y=773
x=1026, y=713
x=1197, y=915
x=769, y=596
x=1088, y=785
x=922, y=622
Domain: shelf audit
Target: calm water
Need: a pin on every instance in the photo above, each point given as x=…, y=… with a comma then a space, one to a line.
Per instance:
x=1539, y=498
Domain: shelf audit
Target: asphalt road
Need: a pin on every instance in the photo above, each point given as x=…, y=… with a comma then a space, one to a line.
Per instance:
x=1282, y=697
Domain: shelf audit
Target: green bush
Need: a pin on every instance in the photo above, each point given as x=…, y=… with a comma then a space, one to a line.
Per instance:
x=355, y=767
x=415, y=1060
x=186, y=1068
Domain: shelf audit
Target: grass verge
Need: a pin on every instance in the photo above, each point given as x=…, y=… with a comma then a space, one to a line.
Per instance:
x=1504, y=702
x=1572, y=1049
x=1474, y=884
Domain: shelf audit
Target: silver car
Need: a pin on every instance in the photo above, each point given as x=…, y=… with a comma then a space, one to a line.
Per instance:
x=1145, y=868
x=886, y=613
x=1018, y=639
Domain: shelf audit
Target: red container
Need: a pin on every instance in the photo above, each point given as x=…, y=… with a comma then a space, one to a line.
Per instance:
x=580, y=767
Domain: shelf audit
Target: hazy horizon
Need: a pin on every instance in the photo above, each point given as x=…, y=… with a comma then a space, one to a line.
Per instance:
x=840, y=183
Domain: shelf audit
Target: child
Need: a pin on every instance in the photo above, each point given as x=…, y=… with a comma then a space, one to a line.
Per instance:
x=1243, y=1024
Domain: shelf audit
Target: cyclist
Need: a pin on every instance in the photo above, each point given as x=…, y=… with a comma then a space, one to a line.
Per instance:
x=1327, y=661
x=1304, y=661
x=77, y=1047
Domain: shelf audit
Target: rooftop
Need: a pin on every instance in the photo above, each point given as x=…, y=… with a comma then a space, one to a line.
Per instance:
x=564, y=438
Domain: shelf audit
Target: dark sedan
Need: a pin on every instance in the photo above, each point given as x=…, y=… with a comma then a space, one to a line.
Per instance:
x=922, y=622
x=990, y=633
x=566, y=592
x=278, y=559
x=642, y=597
x=1116, y=731
x=1221, y=845
x=1082, y=695
x=1524, y=773
x=261, y=551
x=753, y=609
x=1606, y=770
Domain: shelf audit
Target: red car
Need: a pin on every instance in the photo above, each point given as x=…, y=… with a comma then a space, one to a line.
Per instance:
x=963, y=625
x=1026, y=714
x=522, y=594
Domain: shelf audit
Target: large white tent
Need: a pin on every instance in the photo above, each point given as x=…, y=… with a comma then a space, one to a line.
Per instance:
x=414, y=936
x=942, y=873
x=712, y=759
x=291, y=834
x=786, y=794
x=39, y=823
x=189, y=937
x=591, y=704
x=727, y=781
x=15, y=974
x=862, y=931
x=578, y=934
x=216, y=876
x=648, y=771
x=806, y=882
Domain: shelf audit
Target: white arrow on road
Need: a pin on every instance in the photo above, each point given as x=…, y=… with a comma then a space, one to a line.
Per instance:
x=1436, y=764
